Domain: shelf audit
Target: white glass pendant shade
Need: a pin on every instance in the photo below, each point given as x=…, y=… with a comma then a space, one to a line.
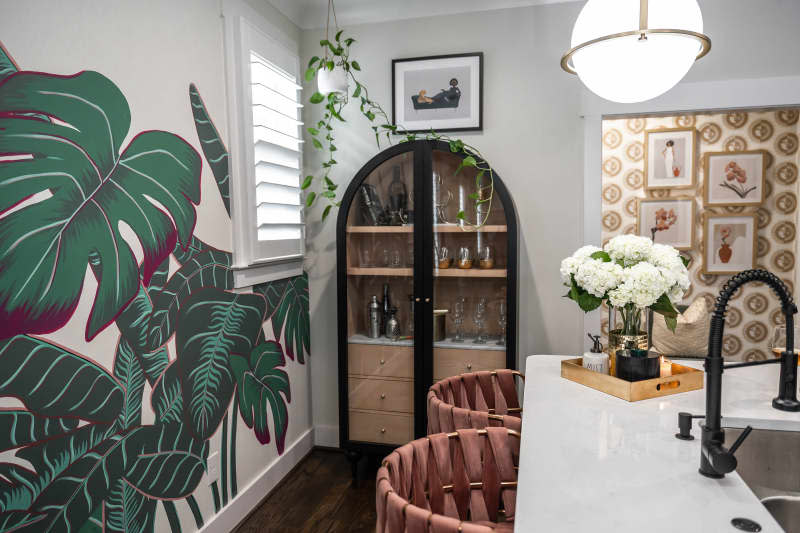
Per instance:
x=631, y=68
x=332, y=81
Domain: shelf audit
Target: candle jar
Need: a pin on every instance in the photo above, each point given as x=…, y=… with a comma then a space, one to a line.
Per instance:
x=465, y=257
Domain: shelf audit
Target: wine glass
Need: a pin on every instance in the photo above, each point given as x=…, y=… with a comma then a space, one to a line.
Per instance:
x=479, y=317
x=502, y=311
x=458, y=318
x=777, y=342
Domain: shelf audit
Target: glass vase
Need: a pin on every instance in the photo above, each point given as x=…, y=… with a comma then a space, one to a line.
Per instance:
x=633, y=328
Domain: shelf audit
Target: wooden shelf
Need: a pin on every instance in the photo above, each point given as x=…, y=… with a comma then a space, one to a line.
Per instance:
x=360, y=271
x=470, y=273
x=380, y=229
x=454, y=228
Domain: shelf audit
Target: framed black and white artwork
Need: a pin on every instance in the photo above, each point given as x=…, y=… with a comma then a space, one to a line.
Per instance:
x=443, y=93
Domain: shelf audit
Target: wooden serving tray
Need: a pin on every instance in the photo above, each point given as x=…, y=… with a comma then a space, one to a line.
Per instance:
x=682, y=379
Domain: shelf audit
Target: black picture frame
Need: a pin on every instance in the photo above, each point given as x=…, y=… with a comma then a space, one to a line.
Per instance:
x=478, y=127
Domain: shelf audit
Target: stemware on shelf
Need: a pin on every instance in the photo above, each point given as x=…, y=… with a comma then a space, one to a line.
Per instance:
x=443, y=257
x=502, y=313
x=458, y=318
x=486, y=256
x=465, y=257
x=479, y=317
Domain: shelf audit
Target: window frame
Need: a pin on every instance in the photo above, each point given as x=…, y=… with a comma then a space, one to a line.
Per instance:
x=244, y=31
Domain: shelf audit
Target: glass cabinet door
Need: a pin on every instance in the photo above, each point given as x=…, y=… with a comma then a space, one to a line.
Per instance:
x=380, y=308
x=469, y=272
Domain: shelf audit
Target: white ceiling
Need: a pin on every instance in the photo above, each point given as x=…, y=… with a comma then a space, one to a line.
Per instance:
x=309, y=14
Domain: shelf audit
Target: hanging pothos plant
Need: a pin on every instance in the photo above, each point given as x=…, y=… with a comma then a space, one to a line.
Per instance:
x=335, y=64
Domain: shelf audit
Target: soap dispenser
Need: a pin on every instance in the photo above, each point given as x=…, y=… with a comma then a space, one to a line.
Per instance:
x=596, y=360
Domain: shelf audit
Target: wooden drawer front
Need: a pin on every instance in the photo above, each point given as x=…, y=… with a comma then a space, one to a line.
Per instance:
x=381, y=394
x=387, y=361
x=381, y=427
x=453, y=361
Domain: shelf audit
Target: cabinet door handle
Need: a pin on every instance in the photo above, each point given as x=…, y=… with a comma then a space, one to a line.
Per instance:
x=383, y=396
x=427, y=300
x=469, y=366
x=383, y=430
x=383, y=361
x=416, y=299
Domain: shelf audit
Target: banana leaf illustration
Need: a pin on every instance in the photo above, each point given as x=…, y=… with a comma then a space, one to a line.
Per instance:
x=288, y=307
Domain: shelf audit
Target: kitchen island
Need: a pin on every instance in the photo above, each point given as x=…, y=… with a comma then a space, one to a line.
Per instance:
x=594, y=462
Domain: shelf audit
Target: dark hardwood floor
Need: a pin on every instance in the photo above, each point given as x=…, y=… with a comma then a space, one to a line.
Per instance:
x=319, y=496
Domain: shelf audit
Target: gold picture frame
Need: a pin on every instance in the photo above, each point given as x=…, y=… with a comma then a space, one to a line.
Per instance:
x=677, y=199
x=708, y=245
x=650, y=138
x=736, y=188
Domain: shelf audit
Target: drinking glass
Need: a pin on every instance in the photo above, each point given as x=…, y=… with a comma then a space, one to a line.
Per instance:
x=486, y=256
x=395, y=259
x=386, y=257
x=465, y=257
x=502, y=311
x=365, y=259
x=777, y=342
x=479, y=317
x=458, y=318
x=443, y=257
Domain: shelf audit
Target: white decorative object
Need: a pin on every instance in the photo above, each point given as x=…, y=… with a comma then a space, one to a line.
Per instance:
x=332, y=81
x=596, y=362
x=634, y=50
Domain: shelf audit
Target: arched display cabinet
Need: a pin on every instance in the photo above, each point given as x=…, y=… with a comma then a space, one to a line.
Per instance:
x=396, y=228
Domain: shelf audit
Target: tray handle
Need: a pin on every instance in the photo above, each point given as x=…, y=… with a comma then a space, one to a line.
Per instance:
x=674, y=384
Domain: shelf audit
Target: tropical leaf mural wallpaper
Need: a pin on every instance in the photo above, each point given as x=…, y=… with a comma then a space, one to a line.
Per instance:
x=87, y=461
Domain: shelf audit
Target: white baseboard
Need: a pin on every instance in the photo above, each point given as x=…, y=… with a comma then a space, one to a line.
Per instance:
x=326, y=436
x=250, y=496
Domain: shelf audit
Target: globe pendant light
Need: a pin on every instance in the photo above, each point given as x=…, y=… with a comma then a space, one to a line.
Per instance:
x=623, y=64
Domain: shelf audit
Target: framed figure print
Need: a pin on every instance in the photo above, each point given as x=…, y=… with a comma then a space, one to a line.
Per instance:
x=729, y=243
x=667, y=221
x=444, y=93
x=669, y=161
x=734, y=178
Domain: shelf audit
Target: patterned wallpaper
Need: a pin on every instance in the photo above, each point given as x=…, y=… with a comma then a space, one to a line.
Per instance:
x=754, y=311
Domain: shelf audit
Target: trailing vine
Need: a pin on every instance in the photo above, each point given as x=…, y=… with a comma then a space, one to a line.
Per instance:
x=336, y=54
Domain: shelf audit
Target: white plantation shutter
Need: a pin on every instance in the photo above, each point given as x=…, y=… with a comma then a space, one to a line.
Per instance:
x=267, y=208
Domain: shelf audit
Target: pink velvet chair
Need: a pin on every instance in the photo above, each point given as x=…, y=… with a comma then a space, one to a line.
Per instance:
x=475, y=400
x=465, y=481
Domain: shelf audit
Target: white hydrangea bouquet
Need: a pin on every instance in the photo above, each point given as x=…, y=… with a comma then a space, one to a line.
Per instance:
x=630, y=273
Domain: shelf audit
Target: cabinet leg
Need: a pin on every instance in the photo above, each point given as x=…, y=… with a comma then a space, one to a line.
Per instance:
x=354, y=458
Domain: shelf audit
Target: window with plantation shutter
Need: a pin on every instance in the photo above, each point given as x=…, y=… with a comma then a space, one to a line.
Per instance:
x=267, y=210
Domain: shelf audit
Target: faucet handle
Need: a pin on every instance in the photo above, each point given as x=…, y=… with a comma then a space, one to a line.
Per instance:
x=738, y=442
x=724, y=461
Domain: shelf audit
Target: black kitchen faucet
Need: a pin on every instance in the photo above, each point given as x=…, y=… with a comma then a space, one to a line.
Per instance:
x=715, y=459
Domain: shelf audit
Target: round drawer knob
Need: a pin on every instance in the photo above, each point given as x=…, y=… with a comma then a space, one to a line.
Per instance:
x=427, y=300
x=416, y=299
x=383, y=396
x=469, y=366
x=383, y=430
x=383, y=361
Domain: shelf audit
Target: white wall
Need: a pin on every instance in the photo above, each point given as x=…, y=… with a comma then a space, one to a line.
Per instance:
x=152, y=50
x=532, y=137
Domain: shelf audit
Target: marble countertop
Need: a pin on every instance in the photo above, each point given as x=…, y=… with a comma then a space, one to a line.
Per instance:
x=593, y=462
x=467, y=344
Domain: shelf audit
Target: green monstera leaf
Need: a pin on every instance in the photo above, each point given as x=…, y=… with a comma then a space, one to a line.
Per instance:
x=7, y=65
x=260, y=383
x=210, y=268
x=52, y=381
x=169, y=462
x=288, y=308
x=212, y=325
x=71, y=187
x=215, y=152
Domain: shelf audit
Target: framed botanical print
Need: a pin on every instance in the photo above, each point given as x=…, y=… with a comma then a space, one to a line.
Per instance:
x=670, y=156
x=734, y=178
x=444, y=93
x=730, y=243
x=667, y=221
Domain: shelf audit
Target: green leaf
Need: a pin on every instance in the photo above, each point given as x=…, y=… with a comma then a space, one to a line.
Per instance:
x=586, y=301
x=326, y=212
x=167, y=398
x=330, y=64
x=357, y=92
x=310, y=73
x=468, y=161
x=355, y=65
x=211, y=268
x=127, y=510
x=671, y=322
x=128, y=372
x=316, y=98
x=601, y=255
x=313, y=60
x=288, y=307
x=52, y=381
x=7, y=65
x=133, y=325
x=349, y=41
x=664, y=307
x=370, y=115
x=20, y=520
x=330, y=184
x=313, y=131
x=168, y=463
x=307, y=182
x=72, y=496
x=316, y=143
x=310, y=198
x=260, y=383
x=339, y=34
x=328, y=194
x=213, y=324
x=21, y=428
x=324, y=42
x=44, y=246
x=214, y=150
x=685, y=260
x=460, y=215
